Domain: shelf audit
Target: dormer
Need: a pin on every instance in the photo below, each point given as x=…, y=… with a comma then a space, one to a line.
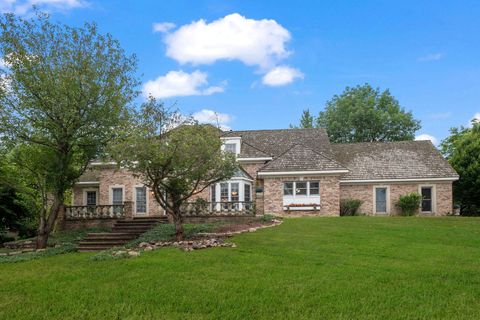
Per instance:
x=232, y=144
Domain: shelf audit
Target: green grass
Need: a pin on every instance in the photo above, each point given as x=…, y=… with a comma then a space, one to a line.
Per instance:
x=308, y=268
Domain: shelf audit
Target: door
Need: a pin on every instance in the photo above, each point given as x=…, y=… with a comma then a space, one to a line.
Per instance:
x=427, y=206
x=381, y=200
x=140, y=200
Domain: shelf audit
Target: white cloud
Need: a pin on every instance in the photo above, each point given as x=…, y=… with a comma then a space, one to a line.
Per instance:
x=233, y=37
x=476, y=117
x=163, y=26
x=22, y=7
x=425, y=136
x=281, y=75
x=180, y=83
x=431, y=57
x=213, y=117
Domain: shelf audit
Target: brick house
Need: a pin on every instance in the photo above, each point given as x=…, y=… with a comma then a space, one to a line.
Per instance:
x=291, y=171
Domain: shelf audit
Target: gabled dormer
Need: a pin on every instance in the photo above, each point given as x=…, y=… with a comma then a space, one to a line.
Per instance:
x=232, y=144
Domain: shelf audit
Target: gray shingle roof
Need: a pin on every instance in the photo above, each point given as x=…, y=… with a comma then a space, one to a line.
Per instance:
x=276, y=142
x=392, y=160
x=301, y=158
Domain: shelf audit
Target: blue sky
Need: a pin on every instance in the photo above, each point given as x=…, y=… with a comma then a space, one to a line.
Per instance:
x=258, y=64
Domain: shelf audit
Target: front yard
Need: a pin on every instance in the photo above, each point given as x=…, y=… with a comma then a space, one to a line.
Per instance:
x=347, y=268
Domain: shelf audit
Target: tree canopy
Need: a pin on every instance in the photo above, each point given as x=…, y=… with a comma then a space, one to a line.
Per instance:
x=63, y=93
x=462, y=149
x=176, y=157
x=364, y=114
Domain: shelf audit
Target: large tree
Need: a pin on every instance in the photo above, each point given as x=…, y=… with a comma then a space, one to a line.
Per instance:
x=175, y=157
x=462, y=149
x=365, y=114
x=63, y=94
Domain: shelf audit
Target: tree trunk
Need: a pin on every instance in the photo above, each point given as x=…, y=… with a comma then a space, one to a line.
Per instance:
x=178, y=220
x=46, y=225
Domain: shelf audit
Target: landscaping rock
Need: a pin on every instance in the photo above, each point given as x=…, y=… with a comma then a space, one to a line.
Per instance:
x=133, y=253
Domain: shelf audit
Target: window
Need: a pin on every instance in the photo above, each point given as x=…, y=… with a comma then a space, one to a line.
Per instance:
x=214, y=193
x=223, y=192
x=234, y=191
x=314, y=188
x=231, y=147
x=381, y=200
x=302, y=188
x=288, y=188
x=91, y=198
x=247, y=193
x=427, y=199
x=117, y=196
x=141, y=199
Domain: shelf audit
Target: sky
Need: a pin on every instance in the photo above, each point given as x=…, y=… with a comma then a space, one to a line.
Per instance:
x=257, y=64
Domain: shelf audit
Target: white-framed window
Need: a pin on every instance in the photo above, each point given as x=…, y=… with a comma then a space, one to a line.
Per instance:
x=117, y=195
x=231, y=147
x=381, y=199
x=301, y=195
x=141, y=199
x=428, y=198
x=231, y=194
x=247, y=192
x=301, y=188
x=90, y=197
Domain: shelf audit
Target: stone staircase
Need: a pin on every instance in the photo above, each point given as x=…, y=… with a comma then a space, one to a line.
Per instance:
x=123, y=231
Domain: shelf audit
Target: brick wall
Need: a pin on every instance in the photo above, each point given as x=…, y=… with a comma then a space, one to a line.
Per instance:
x=442, y=195
x=329, y=195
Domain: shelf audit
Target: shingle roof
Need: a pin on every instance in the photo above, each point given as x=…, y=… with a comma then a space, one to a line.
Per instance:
x=90, y=175
x=276, y=142
x=301, y=158
x=392, y=160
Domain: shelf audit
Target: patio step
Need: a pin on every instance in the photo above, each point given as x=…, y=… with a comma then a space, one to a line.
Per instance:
x=123, y=231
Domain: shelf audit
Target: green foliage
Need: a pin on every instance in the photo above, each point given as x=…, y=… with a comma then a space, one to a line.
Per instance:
x=66, y=248
x=349, y=207
x=409, y=204
x=462, y=149
x=174, y=156
x=166, y=232
x=63, y=94
x=364, y=114
x=267, y=217
x=306, y=121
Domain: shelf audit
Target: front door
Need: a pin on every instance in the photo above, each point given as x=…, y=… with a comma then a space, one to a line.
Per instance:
x=381, y=200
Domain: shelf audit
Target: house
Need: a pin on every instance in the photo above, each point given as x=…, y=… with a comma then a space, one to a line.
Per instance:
x=290, y=171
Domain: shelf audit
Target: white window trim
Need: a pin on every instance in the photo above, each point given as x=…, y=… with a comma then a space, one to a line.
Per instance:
x=434, y=197
x=375, y=199
x=232, y=140
x=110, y=192
x=134, y=192
x=295, y=187
x=85, y=195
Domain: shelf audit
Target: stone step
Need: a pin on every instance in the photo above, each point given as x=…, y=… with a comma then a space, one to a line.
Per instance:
x=133, y=224
x=96, y=242
x=93, y=249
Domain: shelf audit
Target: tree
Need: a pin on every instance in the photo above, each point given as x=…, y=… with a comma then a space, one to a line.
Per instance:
x=462, y=149
x=364, y=114
x=176, y=157
x=63, y=95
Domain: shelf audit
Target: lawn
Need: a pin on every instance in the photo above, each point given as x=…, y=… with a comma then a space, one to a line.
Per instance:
x=339, y=268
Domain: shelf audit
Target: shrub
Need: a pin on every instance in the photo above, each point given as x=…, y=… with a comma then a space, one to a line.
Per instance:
x=409, y=203
x=267, y=217
x=349, y=207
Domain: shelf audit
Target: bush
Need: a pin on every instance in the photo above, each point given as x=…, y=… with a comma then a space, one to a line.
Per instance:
x=349, y=207
x=409, y=204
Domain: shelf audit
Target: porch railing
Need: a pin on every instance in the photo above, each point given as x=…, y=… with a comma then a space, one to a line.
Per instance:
x=204, y=208
x=95, y=212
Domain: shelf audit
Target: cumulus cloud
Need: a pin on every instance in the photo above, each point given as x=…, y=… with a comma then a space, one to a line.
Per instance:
x=431, y=57
x=425, y=136
x=281, y=75
x=22, y=7
x=233, y=37
x=213, y=117
x=163, y=26
x=180, y=83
